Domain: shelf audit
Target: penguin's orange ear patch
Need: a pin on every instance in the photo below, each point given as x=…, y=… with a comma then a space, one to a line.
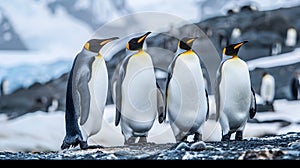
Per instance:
x=127, y=46
x=87, y=46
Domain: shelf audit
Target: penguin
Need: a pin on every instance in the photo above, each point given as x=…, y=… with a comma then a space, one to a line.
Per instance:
x=234, y=96
x=138, y=97
x=267, y=88
x=4, y=86
x=187, y=105
x=295, y=86
x=86, y=94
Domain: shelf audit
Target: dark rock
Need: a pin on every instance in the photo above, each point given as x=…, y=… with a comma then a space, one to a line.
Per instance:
x=182, y=146
x=198, y=146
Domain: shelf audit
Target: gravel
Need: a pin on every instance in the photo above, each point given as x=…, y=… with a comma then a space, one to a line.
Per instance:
x=278, y=147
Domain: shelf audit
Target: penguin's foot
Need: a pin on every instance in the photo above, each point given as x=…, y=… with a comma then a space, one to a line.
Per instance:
x=130, y=141
x=179, y=138
x=73, y=141
x=84, y=145
x=239, y=136
x=226, y=137
x=143, y=139
x=197, y=137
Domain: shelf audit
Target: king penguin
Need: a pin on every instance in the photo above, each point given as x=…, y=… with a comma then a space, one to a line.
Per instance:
x=235, y=97
x=187, y=103
x=137, y=94
x=86, y=94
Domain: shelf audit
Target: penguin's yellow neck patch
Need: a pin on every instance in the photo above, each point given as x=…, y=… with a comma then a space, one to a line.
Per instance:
x=139, y=53
x=234, y=57
x=189, y=52
x=99, y=56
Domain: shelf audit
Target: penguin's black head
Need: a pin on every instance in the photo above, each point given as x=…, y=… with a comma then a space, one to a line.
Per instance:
x=233, y=49
x=137, y=43
x=186, y=43
x=94, y=45
x=265, y=73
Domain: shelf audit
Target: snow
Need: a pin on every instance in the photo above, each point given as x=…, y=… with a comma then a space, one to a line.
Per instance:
x=187, y=10
x=274, y=61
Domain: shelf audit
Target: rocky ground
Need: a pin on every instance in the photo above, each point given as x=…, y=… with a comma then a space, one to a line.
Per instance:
x=279, y=147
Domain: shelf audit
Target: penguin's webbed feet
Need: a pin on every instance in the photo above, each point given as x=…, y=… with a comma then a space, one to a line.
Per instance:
x=197, y=137
x=130, y=141
x=73, y=141
x=226, y=137
x=239, y=136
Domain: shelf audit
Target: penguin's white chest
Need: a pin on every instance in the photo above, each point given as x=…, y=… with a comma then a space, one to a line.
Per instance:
x=98, y=86
x=139, y=97
x=235, y=89
x=186, y=92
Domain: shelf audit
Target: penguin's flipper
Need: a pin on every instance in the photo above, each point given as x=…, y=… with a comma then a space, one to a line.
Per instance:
x=170, y=73
x=252, y=110
x=118, y=95
x=217, y=94
x=113, y=82
x=207, y=101
x=84, y=94
x=118, y=99
x=160, y=105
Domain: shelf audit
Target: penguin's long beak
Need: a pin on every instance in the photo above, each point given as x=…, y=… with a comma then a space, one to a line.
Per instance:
x=108, y=40
x=239, y=45
x=141, y=39
x=190, y=41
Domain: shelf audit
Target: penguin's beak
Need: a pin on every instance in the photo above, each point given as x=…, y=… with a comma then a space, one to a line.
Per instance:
x=108, y=40
x=190, y=41
x=141, y=39
x=240, y=44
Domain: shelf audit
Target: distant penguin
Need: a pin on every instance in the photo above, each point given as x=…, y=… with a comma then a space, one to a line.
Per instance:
x=235, y=97
x=187, y=104
x=4, y=86
x=52, y=105
x=291, y=37
x=86, y=94
x=138, y=97
x=267, y=89
x=295, y=86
